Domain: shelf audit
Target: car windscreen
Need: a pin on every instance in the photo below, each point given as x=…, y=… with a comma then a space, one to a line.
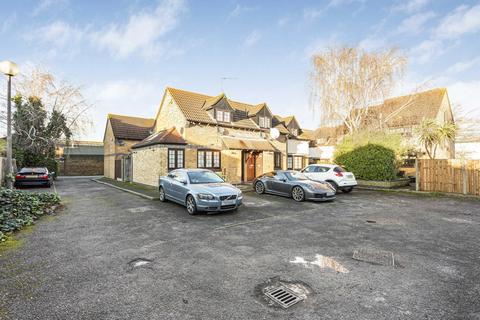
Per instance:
x=196, y=177
x=33, y=171
x=295, y=176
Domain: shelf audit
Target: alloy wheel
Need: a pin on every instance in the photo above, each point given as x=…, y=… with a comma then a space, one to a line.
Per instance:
x=298, y=194
x=161, y=195
x=191, y=207
x=259, y=187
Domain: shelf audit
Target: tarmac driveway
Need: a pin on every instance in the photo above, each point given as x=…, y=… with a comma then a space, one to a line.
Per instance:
x=83, y=263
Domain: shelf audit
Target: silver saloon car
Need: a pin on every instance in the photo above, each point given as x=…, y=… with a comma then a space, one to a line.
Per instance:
x=199, y=190
x=293, y=184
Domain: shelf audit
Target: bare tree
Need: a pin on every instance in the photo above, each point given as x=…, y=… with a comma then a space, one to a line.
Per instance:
x=346, y=81
x=56, y=95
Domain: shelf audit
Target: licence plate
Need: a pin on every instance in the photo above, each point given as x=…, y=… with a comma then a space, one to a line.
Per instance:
x=350, y=176
x=329, y=194
x=31, y=176
x=228, y=202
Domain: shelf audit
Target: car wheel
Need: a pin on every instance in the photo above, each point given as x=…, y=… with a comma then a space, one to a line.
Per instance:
x=259, y=187
x=334, y=185
x=161, y=194
x=347, y=190
x=191, y=205
x=298, y=194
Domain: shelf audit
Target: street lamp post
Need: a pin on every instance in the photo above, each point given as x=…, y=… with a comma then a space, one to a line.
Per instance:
x=10, y=69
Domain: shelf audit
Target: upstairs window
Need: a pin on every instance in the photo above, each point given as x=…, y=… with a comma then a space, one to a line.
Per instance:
x=264, y=122
x=294, y=131
x=222, y=116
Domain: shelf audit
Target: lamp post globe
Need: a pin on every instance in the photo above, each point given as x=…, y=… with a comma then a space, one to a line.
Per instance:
x=10, y=69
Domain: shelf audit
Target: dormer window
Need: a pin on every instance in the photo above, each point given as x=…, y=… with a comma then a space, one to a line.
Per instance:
x=294, y=131
x=222, y=116
x=264, y=122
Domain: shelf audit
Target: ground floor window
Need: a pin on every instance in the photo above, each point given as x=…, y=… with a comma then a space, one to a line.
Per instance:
x=176, y=158
x=294, y=162
x=277, y=160
x=209, y=159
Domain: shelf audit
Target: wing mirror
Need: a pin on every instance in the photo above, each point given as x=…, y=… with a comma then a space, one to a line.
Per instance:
x=183, y=181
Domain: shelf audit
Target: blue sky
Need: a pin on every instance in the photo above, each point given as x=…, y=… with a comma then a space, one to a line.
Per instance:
x=124, y=53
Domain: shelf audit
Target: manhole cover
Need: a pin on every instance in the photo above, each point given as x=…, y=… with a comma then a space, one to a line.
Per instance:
x=381, y=257
x=139, y=263
x=283, y=296
x=282, y=293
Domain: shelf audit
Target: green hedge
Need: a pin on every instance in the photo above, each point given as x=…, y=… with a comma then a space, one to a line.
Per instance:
x=19, y=208
x=370, y=162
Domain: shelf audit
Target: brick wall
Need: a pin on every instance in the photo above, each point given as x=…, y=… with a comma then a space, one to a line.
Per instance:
x=149, y=164
x=82, y=165
x=169, y=116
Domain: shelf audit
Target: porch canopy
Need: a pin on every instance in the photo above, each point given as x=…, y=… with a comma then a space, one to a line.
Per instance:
x=247, y=144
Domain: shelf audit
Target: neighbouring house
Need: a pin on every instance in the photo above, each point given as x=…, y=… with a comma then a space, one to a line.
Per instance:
x=80, y=158
x=121, y=133
x=467, y=142
x=295, y=139
x=401, y=115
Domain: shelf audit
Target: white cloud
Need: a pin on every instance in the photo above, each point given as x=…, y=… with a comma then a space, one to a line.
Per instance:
x=415, y=23
x=252, y=39
x=312, y=13
x=464, y=65
x=426, y=51
x=59, y=33
x=129, y=97
x=238, y=10
x=410, y=6
x=372, y=43
x=142, y=32
x=45, y=5
x=467, y=95
x=462, y=20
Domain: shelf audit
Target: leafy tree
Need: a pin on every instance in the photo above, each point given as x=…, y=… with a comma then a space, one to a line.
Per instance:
x=431, y=135
x=36, y=133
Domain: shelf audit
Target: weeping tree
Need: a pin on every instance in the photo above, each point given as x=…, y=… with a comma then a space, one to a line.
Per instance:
x=432, y=134
x=346, y=81
x=37, y=132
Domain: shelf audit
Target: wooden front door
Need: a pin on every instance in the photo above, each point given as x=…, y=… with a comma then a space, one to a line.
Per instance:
x=250, y=166
x=253, y=164
x=118, y=169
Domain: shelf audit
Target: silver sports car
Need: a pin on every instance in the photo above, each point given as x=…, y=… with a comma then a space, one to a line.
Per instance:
x=199, y=190
x=293, y=184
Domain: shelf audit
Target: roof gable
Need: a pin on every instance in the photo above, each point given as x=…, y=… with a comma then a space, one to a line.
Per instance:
x=193, y=108
x=130, y=128
x=408, y=110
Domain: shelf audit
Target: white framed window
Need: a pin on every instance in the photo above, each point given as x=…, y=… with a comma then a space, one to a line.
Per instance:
x=289, y=163
x=222, y=116
x=294, y=132
x=264, y=122
x=297, y=163
x=201, y=159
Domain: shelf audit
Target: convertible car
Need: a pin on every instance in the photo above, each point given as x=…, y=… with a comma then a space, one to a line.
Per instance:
x=293, y=184
x=199, y=190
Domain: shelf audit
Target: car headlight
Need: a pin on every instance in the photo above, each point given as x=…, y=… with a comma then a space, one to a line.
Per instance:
x=310, y=187
x=240, y=195
x=205, y=196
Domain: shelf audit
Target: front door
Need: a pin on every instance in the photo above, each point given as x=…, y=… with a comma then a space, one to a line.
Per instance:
x=250, y=166
x=253, y=164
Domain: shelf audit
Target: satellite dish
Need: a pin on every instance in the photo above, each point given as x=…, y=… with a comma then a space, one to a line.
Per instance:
x=274, y=133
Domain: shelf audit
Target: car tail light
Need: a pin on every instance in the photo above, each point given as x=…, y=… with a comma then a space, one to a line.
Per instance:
x=339, y=174
x=19, y=176
x=45, y=176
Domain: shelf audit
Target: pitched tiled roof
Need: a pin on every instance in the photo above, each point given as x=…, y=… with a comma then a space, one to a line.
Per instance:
x=191, y=104
x=130, y=128
x=247, y=144
x=307, y=134
x=167, y=136
x=408, y=110
x=329, y=135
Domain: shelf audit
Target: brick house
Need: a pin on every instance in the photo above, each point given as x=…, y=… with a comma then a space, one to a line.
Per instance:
x=194, y=130
x=121, y=133
x=80, y=158
x=401, y=115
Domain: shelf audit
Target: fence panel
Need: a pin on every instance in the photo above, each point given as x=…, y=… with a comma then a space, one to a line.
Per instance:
x=449, y=175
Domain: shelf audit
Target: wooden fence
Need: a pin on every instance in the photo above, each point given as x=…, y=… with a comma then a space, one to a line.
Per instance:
x=448, y=175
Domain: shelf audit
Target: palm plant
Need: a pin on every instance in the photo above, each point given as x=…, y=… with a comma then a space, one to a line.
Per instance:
x=432, y=134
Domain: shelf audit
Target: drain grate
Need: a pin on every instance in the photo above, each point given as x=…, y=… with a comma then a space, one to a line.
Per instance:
x=283, y=296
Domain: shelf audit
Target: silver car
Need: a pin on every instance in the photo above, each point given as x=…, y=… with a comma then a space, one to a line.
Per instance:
x=199, y=190
x=293, y=184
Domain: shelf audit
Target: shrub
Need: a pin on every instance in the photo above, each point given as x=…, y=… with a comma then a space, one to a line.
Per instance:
x=370, y=162
x=18, y=209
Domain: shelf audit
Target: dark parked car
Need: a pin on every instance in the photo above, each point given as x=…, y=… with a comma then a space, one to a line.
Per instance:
x=293, y=184
x=33, y=177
